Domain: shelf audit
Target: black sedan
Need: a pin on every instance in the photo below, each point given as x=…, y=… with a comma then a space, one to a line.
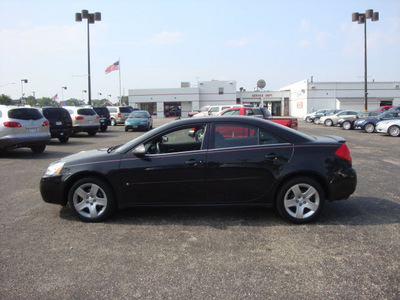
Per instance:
x=206, y=161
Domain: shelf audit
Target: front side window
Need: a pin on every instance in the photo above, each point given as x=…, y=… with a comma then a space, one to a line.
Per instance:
x=180, y=140
x=231, y=112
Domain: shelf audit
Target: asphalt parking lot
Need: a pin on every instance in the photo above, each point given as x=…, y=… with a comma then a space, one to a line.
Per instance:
x=351, y=252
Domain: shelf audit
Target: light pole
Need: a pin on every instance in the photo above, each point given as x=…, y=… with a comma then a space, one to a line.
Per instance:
x=22, y=88
x=62, y=93
x=362, y=19
x=91, y=18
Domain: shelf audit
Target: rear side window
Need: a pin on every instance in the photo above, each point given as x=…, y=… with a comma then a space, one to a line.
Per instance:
x=112, y=109
x=25, y=114
x=125, y=109
x=86, y=112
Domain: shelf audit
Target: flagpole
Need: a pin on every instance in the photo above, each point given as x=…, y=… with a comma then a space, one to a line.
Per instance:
x=120, y=96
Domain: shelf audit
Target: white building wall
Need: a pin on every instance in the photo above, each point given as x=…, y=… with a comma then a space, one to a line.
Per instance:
x=210, y=92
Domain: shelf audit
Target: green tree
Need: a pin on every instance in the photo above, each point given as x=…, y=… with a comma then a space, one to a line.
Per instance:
x=31, y=101
x=74, y=102
x=45, y=101
x=5, y=100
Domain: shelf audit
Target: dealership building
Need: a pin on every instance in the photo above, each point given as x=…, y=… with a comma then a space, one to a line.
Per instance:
x=296, y=99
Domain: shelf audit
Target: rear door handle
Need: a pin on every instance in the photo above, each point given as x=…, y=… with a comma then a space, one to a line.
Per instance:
x=272, y=156
x=193, y=162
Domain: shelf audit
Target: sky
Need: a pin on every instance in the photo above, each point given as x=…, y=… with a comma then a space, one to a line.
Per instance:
x=161, y=43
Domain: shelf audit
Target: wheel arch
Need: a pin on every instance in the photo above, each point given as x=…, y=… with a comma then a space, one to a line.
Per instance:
x=313, y=175
x=78, y=176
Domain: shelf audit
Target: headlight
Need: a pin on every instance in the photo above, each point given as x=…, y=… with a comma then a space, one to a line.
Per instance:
x=54, y=169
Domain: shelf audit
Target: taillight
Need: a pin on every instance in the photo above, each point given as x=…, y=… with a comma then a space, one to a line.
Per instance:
x=12, y=124
x=343, y=152
x=79, y=118
x=97, y=117
x=119, y=116
x=46, y=123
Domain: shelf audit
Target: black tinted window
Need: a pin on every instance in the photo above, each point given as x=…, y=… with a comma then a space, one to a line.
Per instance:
x=125, y=109
x=25, y=114
x=101, y=111
x=86, y=112
x=55, y=113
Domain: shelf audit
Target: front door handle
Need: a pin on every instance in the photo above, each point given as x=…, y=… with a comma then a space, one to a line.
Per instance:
x=193, y=162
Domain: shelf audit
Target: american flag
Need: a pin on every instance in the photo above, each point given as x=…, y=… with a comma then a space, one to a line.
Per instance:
x=113, y=67
x=55, y=97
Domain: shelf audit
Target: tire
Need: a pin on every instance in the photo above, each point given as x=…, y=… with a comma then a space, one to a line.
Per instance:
x=113, y=123
x=316, y=120
x=394, y=130
x=126, y=129
x=103, y=128
x=300, y=200
x=369, y=127
x=92, y=132
x=346, y=125
x=308, y=120
x=91, y=199
x=328, y=122
x=38, y=149
x=63, y=139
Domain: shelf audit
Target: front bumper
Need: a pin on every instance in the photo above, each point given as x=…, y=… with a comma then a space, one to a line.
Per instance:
x=53, y=189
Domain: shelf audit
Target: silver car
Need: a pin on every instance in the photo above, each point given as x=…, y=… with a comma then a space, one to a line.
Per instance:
x=23, y=127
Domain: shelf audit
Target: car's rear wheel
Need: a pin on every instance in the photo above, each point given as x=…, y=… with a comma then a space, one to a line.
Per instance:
x=316, y=120
x=113, y=123
x=91, y=199
x=308, y=119
x=92, y=132
x=346, y=125
x=38, y=149
x=369, y=128
x=300, y=200
x=103, y=128
x=63, y=139
x=328, y=122
x=394, y=130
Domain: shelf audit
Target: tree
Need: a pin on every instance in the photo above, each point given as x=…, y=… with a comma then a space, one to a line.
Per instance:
x=5, y=100
x=45, y=101
x=74, y=102
x=31, y=101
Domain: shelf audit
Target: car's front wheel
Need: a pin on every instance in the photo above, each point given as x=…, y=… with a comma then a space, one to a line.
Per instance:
x=328, y=122
x=300, y=200
x=394, y=130
x=91, y=199
x=369, y=128
x=308, y=120
x=346, y=125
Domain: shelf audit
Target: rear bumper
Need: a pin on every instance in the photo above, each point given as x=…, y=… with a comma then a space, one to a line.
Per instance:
x=342, y=185
x=86, y=128
x=60, y=132
x=14, y=141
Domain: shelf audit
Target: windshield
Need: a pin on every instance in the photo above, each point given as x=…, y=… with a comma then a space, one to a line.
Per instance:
x=136, y=114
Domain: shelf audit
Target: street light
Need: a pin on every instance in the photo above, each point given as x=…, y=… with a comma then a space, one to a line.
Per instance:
x=22, y=88
x=362, y=19
x=83, y=91
x=91, y=18
x=62, y=92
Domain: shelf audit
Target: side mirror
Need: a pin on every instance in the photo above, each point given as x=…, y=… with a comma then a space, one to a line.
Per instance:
x=139, y=150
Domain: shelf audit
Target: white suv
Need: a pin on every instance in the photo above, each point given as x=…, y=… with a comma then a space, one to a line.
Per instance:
x=23, y=127
x=214, y=110
x=84, y=119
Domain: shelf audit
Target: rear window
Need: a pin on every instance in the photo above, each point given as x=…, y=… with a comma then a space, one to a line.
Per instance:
x=125, y=109
x=86, y=112
x=101, y=111
x=55, y=112
x=24, y=114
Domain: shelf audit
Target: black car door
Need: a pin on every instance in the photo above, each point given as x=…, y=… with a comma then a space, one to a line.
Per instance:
x=244, y=163
x=171, y=172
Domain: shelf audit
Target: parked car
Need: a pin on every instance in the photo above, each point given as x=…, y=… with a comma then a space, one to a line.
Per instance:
x=348, y=123
x=259, y=112
x=316, y=118
x=60, y=123
x=391, y=127
x=118, y=114
x=84, y=119
x=239, y=160
x=23, y=127
x=331, y=120
x=214, y=110
x=395, y=108
x=383, y=108
x=368, y=124
x=201, y=110
x=139, y=119
x=310, y=117
x=104, y=114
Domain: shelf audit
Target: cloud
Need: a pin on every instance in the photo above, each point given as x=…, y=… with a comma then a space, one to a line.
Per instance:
x=166, y=37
